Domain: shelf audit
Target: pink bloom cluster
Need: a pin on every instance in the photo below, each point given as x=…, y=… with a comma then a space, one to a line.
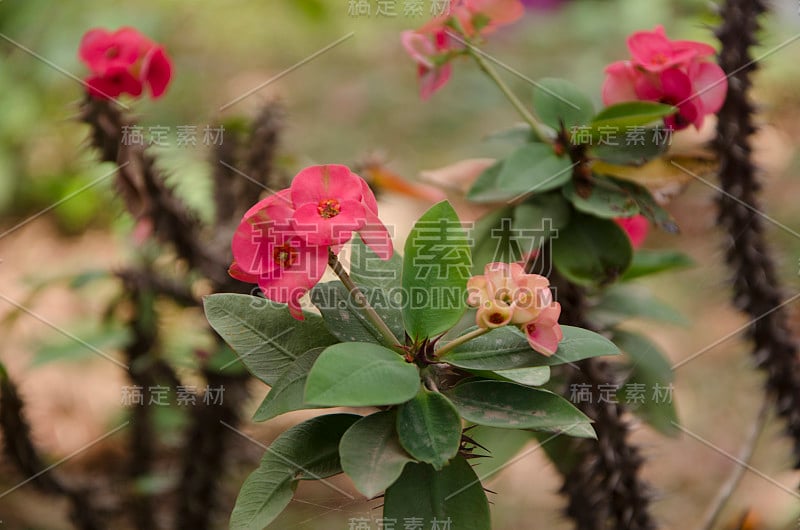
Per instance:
x=124, y=62
x=432, y=47
x=505, y=295
x=636, y=227
x=676, y=72
x=282, y=242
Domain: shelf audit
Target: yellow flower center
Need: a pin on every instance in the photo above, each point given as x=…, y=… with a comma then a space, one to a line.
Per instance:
x=285, y=255
x=328, y=208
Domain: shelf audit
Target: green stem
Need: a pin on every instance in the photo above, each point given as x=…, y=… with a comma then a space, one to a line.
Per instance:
x=361, y=300
x=455, y=343
x=539, y=130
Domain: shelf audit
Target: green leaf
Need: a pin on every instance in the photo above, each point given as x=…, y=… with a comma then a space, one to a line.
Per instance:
x=287, y=393
x=533, y=168
x=435, y=271
x=429, y=428
x=601, y=198
x=558, y=102
x=345, y=319
x=649, y=367
x=591, y=251
x=646, y=262
x=454, y=494
x=621, y=302
x=306, y=451
x=368, y=270
x=501, y=446
x=506, y=235
x=648, y=206
x=511, y=406
x=485, y=188
x=494, y=240
x=507, y=348
x=266, y=337
x=371, y=453
x=633, y=150
x=630, y=114
x=545, y=214
x=360, y=374
x=519, y=133
x=531, y=376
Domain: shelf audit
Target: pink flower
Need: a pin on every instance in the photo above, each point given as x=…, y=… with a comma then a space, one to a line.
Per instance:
x=124, y=62
x=672, y=72
x=429, y=51
x=636, y=227
x=492, y=14
x=432, y=47
x=331, y=202
x=654, y=52
x=266, y=251
x=283, y=242
x=544, y=332
x=506, y=295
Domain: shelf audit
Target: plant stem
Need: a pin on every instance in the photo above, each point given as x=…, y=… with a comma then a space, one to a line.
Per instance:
x=745, y=454
x=362, y=301
x=455, y=343
x=537, y=128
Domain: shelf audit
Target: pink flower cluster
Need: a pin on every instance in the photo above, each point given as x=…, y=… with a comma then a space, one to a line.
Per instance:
x=667, y=71
x=433, y=46
x=282, y=242
x=124, y=62
x=505, y=295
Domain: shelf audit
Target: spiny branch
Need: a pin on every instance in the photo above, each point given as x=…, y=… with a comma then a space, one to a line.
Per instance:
x=757, y=289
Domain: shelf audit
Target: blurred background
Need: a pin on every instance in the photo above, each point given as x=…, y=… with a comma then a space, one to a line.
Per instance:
x=62, y=228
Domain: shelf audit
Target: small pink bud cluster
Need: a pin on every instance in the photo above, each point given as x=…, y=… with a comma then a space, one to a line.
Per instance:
x=505, y=295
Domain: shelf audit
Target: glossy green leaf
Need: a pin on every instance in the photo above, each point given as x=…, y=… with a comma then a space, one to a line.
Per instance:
x=622, y=302
x=601, y=198
x=429, y=428
x=266, y=337
x=307, y=451
x=287, y=394
x=512, y=406
x=501, y=447
x=629, y=114
x=485, y=188
x=368, y=270
x=646, y=262
x=519, y=133
x=436, y=267
x=454, y=494
x=631, y=149
x=371, y=453
x=507, y=348
x=649, y=370
x=591, y=251
x=360, y=374
x=493, y=239
x=544, y=214
x=648, y=206
x=530, y=376
x=346, y=320
x=534, y=168
x=560, y=103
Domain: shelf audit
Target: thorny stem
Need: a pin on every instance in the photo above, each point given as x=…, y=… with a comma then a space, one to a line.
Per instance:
x=450, y=346
x=537, y=128
x=362, y=301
